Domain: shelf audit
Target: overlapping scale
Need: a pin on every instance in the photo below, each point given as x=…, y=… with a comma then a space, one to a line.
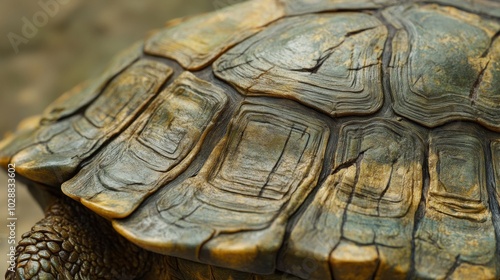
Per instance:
x=51, y=153
x=359, y=224
x=331, y=62
x=154, y=150
x=233, y=213
x=444, y=74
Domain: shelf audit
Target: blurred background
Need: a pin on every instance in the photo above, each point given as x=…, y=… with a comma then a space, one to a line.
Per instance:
x=71, y=41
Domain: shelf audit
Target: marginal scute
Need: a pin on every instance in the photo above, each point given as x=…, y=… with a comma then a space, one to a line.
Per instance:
x=457, y=228
x=342, y=257
x=298, y=7
x=367, y=205
x=471, y=271
x=154, y=150
x=82, y=94
x=197, y=41
x=330, y=62
x=52, y=153
x=233, y=213
x=438, y=75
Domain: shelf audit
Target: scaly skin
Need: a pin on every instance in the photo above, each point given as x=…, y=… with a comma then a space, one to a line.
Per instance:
x=73, y=243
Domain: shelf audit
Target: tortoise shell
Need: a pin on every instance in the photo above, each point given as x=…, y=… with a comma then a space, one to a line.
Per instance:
x=323, y=139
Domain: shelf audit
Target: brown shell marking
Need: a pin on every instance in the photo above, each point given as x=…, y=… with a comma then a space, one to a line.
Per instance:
x=456, y=236
x=360, y=222
x=197, y=41
x=54, y=151
x=233, y=213
x=447, y=73
x=330, y=62
x=155, y=149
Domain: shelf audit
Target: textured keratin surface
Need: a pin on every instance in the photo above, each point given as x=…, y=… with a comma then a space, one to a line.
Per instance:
x=298, y=139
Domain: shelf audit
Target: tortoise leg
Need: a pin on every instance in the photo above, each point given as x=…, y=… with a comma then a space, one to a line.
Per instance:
x=73, y=243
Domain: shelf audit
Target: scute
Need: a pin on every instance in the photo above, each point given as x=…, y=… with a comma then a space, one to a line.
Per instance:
x=52, y=153
x=233, y=213
x=366, y=205
x=330, y=62
x=446, y=74
x=160, y=144
x=457, y=215
x=195, y=42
